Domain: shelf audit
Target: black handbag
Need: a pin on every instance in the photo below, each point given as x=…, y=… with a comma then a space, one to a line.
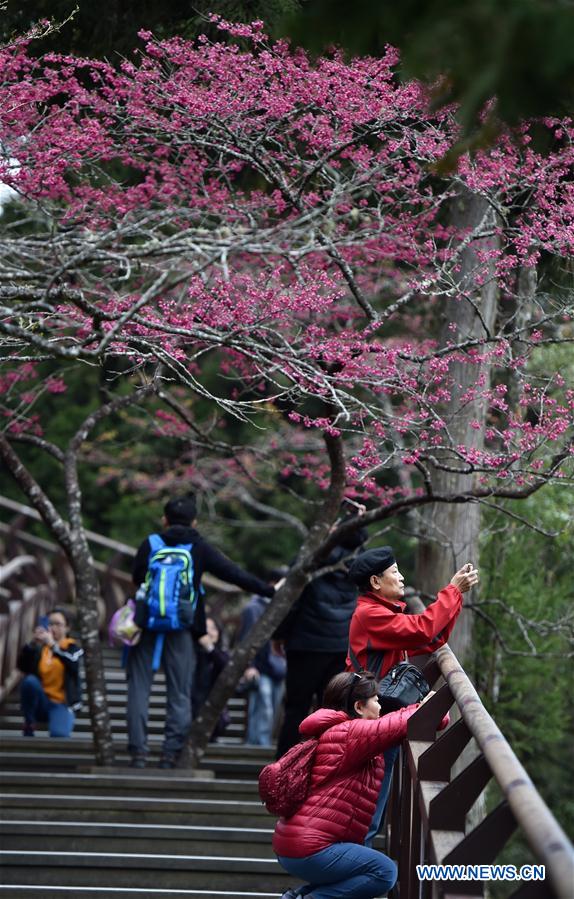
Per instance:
x=403, y=685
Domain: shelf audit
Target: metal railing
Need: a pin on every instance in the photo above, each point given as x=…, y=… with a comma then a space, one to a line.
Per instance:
x=429, y=803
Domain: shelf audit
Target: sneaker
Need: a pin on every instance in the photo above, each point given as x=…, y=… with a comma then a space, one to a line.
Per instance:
x=138, y=761
x=291, y=894
x=28, y=730
x=167, y=761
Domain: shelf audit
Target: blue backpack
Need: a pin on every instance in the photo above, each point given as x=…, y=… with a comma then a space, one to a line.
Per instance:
x=169, y=596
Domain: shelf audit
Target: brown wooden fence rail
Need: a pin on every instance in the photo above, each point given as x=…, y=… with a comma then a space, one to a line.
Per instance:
x=429, y=803
x=51, y=566
x=35, y=576
x=17, y=619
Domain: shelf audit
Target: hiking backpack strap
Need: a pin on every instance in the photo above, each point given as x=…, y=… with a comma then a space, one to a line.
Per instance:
x=375, y=659
x=357, y=667
x=155, y=543
x=374, y=664
x=158, y=649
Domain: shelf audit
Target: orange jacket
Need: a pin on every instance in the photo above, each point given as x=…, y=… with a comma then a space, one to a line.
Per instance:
x=380, y=633
x=66, y=664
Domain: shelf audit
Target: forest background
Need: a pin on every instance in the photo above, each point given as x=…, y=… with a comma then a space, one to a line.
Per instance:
x=522, y=634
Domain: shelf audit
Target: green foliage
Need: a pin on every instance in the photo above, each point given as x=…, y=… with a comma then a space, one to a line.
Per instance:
x=521, y=51
x=530, y=696
x=105, y=508
x=109, y=28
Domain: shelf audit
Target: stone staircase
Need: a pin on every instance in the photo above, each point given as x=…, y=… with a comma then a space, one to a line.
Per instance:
x=66, y=825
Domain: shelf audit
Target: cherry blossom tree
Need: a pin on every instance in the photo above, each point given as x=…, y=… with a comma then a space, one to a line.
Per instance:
x=281, y=239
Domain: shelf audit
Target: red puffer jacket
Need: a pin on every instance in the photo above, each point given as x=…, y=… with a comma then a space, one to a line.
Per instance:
x=347, y=774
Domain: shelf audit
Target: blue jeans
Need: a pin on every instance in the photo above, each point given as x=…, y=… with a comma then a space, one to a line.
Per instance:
x=36, y=706
x=343, y=870
x=262, y=707
x=389, y=757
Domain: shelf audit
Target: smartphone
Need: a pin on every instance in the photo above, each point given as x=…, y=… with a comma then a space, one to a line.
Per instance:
x=43, y=621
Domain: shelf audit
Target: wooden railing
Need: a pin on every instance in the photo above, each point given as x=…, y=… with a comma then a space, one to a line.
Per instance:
x=429, y=804
x=51, y=566
x=17, y=620
x=37, y=576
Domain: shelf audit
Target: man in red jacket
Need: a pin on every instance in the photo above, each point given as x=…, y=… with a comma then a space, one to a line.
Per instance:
x=381, y=635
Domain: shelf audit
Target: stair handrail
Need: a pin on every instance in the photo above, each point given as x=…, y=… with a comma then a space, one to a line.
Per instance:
x=107, y=542
x=546, y=838
x=93, y=537
x=428, y=805
x=9, y=569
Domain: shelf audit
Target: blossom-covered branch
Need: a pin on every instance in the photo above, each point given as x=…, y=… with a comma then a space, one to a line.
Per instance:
x=277, y=235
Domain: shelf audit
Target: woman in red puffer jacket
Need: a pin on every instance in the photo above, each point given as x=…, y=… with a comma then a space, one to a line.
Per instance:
x=322, y=842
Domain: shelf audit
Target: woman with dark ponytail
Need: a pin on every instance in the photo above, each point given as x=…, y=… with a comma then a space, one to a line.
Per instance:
x=322, y=842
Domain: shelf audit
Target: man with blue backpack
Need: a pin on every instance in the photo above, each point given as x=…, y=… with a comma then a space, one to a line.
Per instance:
x=169, y=608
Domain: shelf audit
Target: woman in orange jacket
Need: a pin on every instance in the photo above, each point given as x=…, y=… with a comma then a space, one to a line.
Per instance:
x=50, y=690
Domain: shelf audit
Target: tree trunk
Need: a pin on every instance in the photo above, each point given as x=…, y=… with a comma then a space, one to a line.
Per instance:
x=87, y=595
x=450, y=531
x=73, y=541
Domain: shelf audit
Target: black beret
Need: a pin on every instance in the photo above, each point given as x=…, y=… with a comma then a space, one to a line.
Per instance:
x=374, y=561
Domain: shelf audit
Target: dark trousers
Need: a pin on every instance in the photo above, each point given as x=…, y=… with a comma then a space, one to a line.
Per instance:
x=390, y=756
x=178, y=663
x=308, y=673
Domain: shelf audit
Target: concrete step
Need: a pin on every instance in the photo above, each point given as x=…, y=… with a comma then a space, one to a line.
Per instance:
x=76, y=836
x=117, y=704
x=151, y=783
x=15, y=891
x=69, y=827
x=156, y=725
x=117, y=696
x=156, y=721
x=221, y=749
x=81, y=743
x=138, y=870
x=199, y=810
x=80, y=763
x=117, y=700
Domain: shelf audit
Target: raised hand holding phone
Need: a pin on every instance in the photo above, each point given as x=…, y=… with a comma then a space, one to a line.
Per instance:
x=42, y=632
x=465, y=578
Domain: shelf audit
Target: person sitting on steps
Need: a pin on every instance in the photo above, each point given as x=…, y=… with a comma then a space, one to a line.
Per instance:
x=50, y=690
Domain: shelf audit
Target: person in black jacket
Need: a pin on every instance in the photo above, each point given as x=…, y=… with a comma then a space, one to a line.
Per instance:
x=314, y=637
x=50, y=690
x=178, y=655
x=211, y=660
